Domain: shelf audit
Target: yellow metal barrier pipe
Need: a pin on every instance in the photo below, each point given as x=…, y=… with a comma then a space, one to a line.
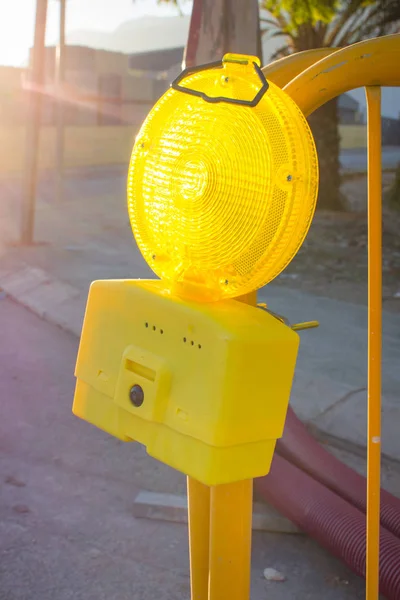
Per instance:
x=374, y=338
x=372, y=62
x=285, y=69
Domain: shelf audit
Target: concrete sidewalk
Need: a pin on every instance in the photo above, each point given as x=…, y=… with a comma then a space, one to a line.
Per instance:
x=88, y=237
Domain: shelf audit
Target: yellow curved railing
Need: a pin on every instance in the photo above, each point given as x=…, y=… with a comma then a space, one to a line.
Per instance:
x=285, y=69
x=367, y=64
x=312, y=78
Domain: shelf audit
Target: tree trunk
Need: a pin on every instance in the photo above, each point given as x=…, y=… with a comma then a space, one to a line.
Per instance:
x=324, y=123
x=220, y=26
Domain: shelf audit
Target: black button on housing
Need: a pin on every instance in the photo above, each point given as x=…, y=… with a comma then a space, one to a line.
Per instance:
x=136, y=395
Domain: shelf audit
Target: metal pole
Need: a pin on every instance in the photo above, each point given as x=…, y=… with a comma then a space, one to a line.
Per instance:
x=374, y=339
x=60, y=70
x=36, y=76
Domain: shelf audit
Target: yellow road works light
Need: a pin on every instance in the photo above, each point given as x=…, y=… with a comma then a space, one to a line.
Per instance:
x=221, y=191
x=222, y=182
x=204, y=386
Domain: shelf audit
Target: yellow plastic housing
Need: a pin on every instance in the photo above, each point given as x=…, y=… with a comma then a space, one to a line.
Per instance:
x=216, y=378
x=221, y=196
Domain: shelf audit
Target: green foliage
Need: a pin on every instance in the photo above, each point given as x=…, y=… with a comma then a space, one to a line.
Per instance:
x=297, y=12
x=309, y=24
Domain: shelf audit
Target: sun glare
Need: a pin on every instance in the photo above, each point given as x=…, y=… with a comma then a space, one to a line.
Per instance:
x=16, y=31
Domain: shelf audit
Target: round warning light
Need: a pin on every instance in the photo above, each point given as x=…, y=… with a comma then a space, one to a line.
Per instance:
x=222, y=182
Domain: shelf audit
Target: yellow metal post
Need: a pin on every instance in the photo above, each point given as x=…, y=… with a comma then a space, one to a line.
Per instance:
x=220, y=527
x=231, y=508
x=199, y=528
x=230, y=541
x=374, y=338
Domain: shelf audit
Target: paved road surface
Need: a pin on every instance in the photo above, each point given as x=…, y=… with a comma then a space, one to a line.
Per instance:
x=66, y=529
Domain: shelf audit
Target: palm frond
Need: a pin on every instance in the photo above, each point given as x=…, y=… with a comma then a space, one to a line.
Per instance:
x=269, y=21
x=378, y=18
x=343, y=18
x=376, y=22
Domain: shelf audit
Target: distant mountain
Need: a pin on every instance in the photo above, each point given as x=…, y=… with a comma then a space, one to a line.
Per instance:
x=137, y=35
x=146, y=34
x=93, y=39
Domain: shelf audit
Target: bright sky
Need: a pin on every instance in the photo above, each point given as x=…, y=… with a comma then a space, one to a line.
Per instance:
x=17, y=18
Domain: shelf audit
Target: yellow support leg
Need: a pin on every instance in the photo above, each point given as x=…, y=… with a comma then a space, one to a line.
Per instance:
x=199, y=527
x=220, y=520
x=230, y=541
x=374, y=339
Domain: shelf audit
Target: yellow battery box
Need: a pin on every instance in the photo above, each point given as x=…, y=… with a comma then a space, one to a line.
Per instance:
x=204, y=386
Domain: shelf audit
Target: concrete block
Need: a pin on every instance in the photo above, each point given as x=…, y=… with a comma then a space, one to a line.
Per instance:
x=170, y=507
